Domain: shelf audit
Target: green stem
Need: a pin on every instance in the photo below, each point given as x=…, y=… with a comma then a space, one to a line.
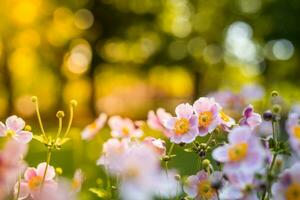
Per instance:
x=70, y=120
x=19, y=186
x=49, y=152
x=171, y=149
x=108, y=184
x=39, y=118
x=59, y=129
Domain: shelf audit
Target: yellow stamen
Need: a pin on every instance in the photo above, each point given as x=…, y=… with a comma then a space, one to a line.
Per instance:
x=204, y=119
x=293, y=192
x=125, y=131
x=182, y=126
x=238, y=152
x=297, y=132
x=205, y=191
x=10, y=133
x=224, y=117
x=35, y=182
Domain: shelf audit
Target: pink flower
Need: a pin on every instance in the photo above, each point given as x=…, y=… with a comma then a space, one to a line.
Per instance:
x=77, y=181
x=113, y=151
x=156, y=120
x=11, y=164
x=199, y=186
x=158, y=145
x=92, y=129
x=207, y=111
x=13, y=127
x=141, y=176
x=250, y=118
x=226, y=121
x=288, y=185
x=183, y=127
x=33, y=177
x=123, y=128
x=241, y=186
x=243, y=153
x=293, y=129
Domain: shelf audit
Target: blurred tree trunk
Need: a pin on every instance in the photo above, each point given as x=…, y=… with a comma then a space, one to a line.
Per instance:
x=7, y=80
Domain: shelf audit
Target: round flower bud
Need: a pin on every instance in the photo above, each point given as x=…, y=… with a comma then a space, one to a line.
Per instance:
x=268, y=115
x=27, y=128
x=276, y=108
x=33, y=98
x=177, y=177
x=274, y=94
x=60, y=114
x=59, y=170
x=74, y=103
x=205, y=163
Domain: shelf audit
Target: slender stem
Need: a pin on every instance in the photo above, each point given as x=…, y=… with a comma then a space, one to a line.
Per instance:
x=210, y=138
x=108, y=184
x=59, y=129
x=19, y=186
x=39, y=117
x=49, y=152
x=171, y=149
x=70, y=121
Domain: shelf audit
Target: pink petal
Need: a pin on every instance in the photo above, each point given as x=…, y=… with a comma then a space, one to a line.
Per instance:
x=115, y=122
x=2, y=129
x=24, y=190
x=254, y=120
x=15, y=123
x=191, y=188
x=23, y=137
x=29, y=173
x=184, y=110
x=169, y=123
x=239, y=134
x=50, y=171
x=220, y=153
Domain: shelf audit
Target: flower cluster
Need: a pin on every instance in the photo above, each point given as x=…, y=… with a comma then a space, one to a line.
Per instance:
x=238, y=161
x=249, y=160
x=42, y=182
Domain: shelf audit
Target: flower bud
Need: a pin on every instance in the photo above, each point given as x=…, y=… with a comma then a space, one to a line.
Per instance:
x=276, y=108
x=73, y=103
x=59, y=170
x=202, y=153
x=27, y=128
x=205, y=163
x=177, y=177
x=274, y=94
x=60, y=114
x=268, y=115
x=33, y=99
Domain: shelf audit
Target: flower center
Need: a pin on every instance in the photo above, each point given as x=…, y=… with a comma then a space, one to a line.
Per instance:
x=205, y=119
x=182, y=126
x=35, y=182
x=10, y=133
x=238, y=152
x=297, y=132
x=93, y=126
x=293, y=192
x=125, y=131
x=224, y=117
x=205, y=191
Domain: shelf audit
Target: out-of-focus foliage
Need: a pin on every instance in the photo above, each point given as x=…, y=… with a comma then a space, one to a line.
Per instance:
x=128, y=56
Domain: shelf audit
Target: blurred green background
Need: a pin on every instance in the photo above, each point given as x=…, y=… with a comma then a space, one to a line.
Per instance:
x=128, y=56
